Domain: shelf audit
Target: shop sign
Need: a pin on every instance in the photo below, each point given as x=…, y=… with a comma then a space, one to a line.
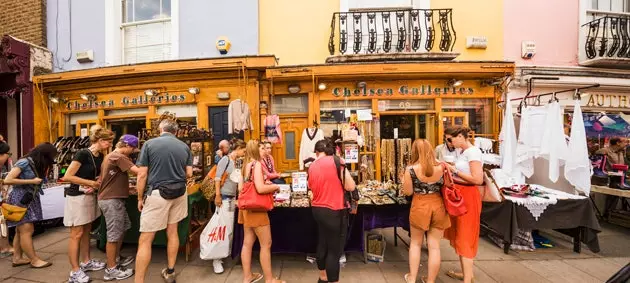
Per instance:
x=299, y=181
x=608, y=101
x=351, y=153
x=402, y=90
x=165, y=98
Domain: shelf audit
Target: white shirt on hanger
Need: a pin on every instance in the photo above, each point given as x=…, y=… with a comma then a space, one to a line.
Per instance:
x=310, y=137
x=239, y=117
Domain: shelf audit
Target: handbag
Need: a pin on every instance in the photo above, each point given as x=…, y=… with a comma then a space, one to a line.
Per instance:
x=490, y=191
x=250, y=199
x=15, y=213
x=453, y=199
x=208, y=187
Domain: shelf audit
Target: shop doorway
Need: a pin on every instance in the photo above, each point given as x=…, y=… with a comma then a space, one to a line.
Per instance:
x=287, y=155
x=131, y=126
x=452, y=119
x=218, y=121
x=412, y=126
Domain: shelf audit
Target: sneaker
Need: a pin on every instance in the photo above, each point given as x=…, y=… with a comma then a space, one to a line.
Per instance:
x=343, y=258
x=118, y=273
x=168, y=278
x=218, y=266
x=92, y=265
x=78, y=277
x=125, y=260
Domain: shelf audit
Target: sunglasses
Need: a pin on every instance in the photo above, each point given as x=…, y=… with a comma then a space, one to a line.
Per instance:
x=449, y=140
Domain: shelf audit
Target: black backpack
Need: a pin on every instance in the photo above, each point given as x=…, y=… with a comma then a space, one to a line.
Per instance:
x=351, y=198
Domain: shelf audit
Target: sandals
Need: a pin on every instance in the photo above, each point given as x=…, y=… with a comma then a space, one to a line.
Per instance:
x=18, y=264
x=455, y=275
x=256, y=277
x=47, y=264
x=407, y=278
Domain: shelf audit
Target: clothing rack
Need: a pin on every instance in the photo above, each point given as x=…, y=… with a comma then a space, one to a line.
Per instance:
x=552, y=93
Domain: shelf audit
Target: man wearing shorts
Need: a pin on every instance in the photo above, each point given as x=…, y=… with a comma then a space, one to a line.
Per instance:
x=165, y=163
x=113, y=193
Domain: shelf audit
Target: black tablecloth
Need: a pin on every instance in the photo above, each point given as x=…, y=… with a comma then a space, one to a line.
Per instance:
x=294, y=230
x=567, y=216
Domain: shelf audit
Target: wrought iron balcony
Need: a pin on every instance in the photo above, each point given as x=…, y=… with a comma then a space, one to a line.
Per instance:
x=607, y=41
x=392, y=31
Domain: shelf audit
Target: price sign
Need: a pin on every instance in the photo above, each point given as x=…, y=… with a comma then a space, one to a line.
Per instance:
x=351, y=153
x=300, y=181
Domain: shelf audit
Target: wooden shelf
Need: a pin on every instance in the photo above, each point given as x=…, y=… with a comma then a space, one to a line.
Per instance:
x=368, y=153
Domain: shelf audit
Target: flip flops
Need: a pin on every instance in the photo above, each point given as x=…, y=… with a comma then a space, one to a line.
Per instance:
x=256, y=277
x=48, y=264
x=18, y=264
x=455, y=275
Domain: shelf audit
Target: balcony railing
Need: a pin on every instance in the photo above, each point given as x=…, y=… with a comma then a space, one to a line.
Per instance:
x=608, y=37
x=392, y=31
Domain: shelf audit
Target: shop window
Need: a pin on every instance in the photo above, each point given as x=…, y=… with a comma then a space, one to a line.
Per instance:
x=478, y=111
x=146, y=30
x=405, y=105
x=184, y=110
x=600, y=127
x=289, y=147
x=333, y=113
x=290, y=104
x=131, y=111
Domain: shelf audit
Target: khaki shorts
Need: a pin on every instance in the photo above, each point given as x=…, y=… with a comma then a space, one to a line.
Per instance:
x=116, y=218
x=158, y=212
x=80, y=210
x=428, y=211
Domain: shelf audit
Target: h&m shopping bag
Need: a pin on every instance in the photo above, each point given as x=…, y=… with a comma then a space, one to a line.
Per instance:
x=216, y=239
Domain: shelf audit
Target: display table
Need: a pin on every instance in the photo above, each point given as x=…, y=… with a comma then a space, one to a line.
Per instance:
x=573, y=217
x=294, y=230
x=186, y=231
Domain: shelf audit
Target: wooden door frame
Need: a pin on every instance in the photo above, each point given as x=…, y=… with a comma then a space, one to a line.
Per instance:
x=82, y=122
x=442, y=115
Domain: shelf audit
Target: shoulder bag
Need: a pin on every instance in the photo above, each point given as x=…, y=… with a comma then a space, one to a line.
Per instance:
x=208, y=185
x=250, y=199
x=351, y=198
x=15, y=213
x=453, y=200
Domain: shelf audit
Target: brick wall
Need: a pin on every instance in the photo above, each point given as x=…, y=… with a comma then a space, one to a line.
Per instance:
x=24, y=19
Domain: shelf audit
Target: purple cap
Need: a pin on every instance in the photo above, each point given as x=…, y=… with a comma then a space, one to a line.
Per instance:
x=130, y=140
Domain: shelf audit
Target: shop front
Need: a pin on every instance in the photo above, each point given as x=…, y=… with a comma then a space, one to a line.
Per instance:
x=198, y=94
x=403, y=101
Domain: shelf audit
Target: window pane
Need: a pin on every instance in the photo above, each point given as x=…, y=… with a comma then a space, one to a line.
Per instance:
x=166, y=8
x=128, y=11
x=146, y=10
x=616, y=6
x=334, y=111
x=289, y=104
x=479, y=113
x=289, y=148
x=148, y=42
x=406, y=105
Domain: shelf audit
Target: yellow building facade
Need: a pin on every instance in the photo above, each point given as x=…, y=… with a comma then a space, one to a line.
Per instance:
x=298, y=31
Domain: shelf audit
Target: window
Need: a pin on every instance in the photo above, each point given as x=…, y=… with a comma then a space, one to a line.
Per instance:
x=477, y=111
x=290, y=104
x=289, y=148
x=146, y=30
x=619, y=6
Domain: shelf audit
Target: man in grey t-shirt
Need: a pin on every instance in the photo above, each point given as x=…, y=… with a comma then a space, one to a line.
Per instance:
x=164, y=160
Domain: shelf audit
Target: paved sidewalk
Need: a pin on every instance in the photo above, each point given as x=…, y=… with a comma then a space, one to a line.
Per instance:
x=559, y=264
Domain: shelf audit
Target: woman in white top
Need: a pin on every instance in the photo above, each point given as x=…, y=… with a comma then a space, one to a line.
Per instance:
x=464, y=230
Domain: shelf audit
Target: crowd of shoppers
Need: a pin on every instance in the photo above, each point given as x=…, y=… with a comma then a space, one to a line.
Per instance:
x=100, y=184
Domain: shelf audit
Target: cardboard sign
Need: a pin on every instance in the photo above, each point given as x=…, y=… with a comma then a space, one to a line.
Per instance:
x=300, y=181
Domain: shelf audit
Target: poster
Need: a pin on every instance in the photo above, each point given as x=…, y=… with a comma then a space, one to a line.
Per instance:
x=351, y=153
x=300, y=181
x=364, y=114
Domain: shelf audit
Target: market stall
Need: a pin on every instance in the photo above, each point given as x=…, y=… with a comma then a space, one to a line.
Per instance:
x=544, y=179
x=294, y=230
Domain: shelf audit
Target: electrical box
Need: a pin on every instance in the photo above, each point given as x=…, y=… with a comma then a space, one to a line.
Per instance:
x=528, y=49
x=85, y=56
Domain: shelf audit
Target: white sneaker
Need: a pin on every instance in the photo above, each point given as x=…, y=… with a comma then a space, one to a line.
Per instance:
x=218, y=266
x=343, y=258
x=92, y=265
x=118, y=273
x=78, y=277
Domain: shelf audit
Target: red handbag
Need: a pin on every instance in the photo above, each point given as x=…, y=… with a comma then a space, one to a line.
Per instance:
x=250, y=199
x=453, y=200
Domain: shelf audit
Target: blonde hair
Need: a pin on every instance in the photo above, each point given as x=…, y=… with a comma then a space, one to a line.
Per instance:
x=97, y=132
x=422, y=153
x=252, y=150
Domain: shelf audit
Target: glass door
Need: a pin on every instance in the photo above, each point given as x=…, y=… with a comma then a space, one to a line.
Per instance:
x=414, y=126
x=451, y=119
x=83, y=127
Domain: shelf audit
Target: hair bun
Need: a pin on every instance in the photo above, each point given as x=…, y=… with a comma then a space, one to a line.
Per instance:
x=95, y=129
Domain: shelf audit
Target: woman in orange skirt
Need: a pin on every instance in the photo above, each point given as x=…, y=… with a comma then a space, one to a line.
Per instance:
x=467, y=174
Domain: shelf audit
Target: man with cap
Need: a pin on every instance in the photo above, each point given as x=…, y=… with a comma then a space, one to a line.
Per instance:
x=112, y=195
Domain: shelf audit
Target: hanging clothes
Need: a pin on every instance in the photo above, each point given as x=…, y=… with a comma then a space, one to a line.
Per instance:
x=578, y=168
x=310, y=137
x=529, y=138
x=239, y=117
x=272, y=129
x=554, y=148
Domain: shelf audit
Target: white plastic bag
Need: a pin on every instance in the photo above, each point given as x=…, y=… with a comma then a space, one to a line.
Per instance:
x=216, y=239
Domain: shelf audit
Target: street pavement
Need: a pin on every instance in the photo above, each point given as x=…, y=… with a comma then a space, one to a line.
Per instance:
x=559, y=264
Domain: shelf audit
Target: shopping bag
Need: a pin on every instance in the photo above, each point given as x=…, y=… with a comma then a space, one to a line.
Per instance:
x=216, y=239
